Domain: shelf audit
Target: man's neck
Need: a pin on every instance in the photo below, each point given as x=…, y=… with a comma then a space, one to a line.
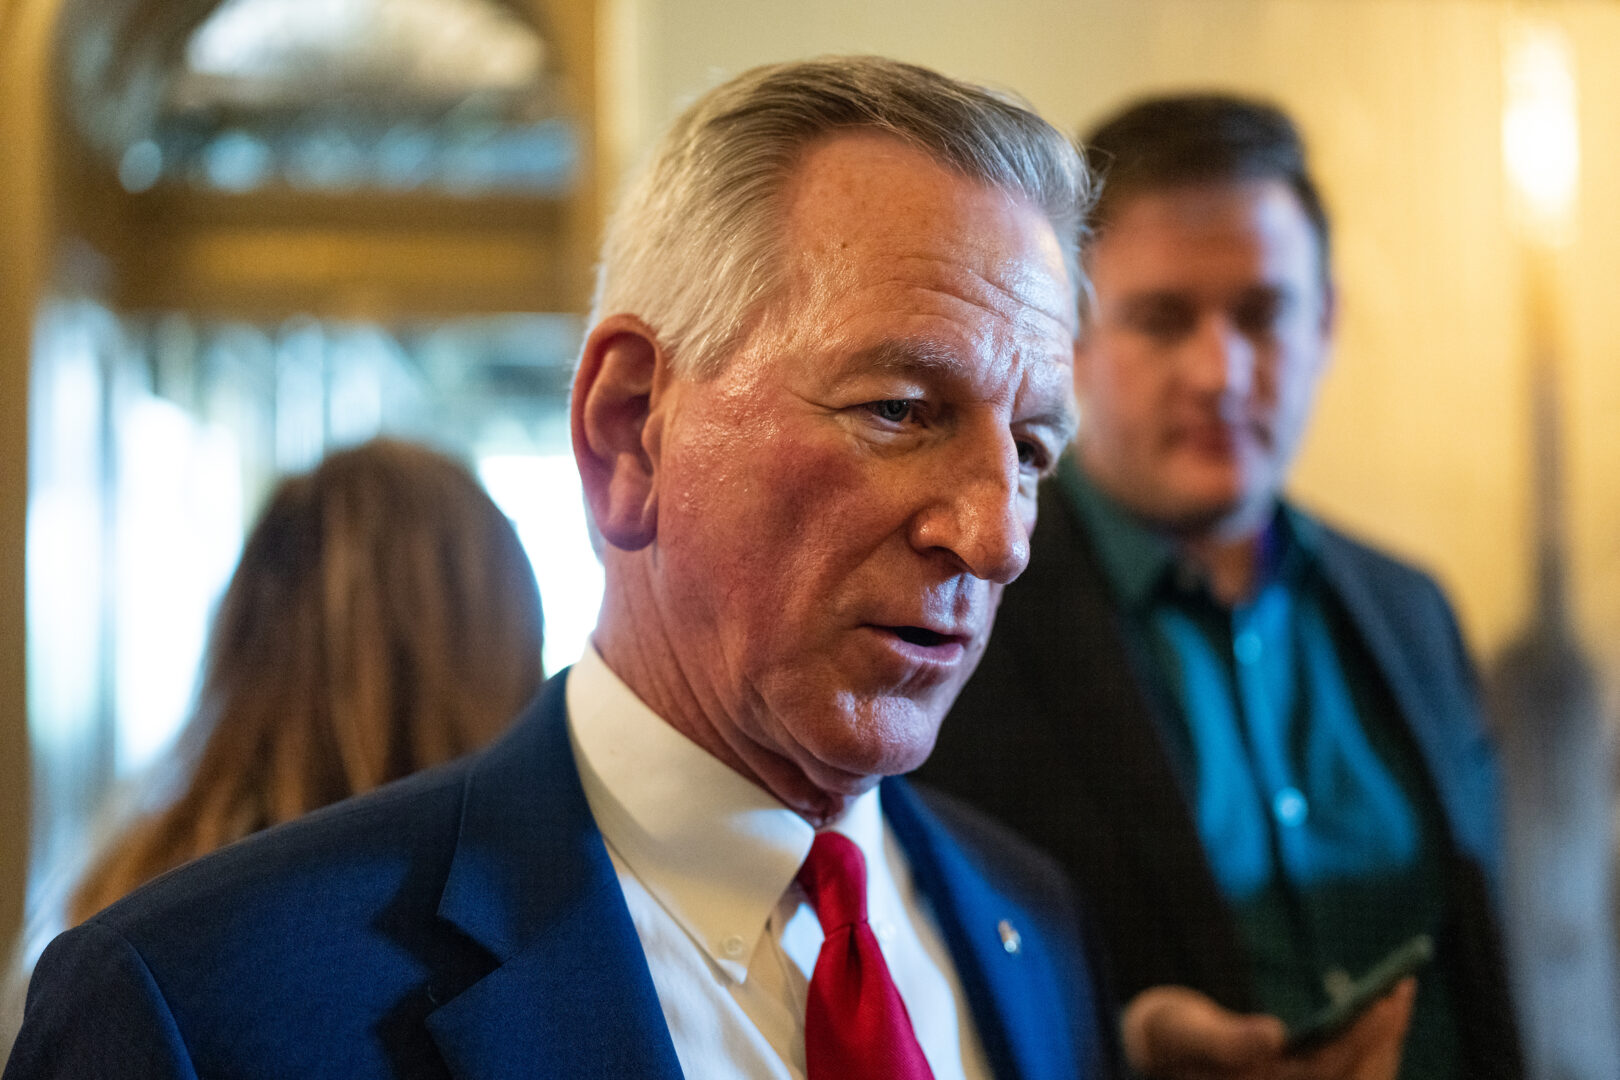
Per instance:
x=1231, y=550
x=647, y=665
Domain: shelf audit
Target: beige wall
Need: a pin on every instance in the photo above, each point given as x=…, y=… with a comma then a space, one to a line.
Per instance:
x=1592, y=276
x=1421, y=440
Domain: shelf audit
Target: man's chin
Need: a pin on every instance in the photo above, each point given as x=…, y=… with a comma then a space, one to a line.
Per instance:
x=1216, y=511
x=877, y=738
x=1199, y=522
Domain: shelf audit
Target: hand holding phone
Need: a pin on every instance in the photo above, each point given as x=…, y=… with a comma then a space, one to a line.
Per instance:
x=1178, y=1033
x=1406, y=959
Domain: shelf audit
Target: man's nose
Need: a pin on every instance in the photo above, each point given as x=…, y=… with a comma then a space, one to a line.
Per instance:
x=1220, y=358
x=976, y=513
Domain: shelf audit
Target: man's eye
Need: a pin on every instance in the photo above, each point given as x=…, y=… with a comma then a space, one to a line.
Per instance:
x=1032, y=454
x=1259, y=316
x=1166, y=319
x=894, y=410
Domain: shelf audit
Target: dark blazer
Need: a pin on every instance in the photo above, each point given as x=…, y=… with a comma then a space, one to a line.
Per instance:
x=467, y=922
x=1057, y=736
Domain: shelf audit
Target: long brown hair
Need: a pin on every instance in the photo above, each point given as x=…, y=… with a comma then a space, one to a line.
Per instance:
x=383, y=618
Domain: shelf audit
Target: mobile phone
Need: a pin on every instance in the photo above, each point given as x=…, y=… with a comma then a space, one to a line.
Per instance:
x=1340, y=1013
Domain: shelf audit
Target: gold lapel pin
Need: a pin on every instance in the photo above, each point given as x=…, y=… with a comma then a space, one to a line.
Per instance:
x=1011, y=940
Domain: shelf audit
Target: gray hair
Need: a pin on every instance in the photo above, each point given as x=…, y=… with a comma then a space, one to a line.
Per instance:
x=693, y=248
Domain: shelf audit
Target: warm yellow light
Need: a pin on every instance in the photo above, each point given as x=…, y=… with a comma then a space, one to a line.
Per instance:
x=1540, y=133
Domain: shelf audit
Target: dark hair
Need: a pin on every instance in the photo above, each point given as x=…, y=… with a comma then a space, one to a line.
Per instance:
x=1185, y=139
x=383, y=618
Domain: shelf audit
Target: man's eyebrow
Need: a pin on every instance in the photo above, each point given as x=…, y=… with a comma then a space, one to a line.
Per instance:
x=1281, y=290
x=906, y=357
x=1151, y=297
x=1272, y=290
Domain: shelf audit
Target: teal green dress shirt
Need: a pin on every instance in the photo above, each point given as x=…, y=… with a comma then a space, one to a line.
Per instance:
x=1312, y=804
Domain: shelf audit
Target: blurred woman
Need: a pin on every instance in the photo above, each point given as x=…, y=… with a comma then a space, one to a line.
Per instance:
x=383, y=618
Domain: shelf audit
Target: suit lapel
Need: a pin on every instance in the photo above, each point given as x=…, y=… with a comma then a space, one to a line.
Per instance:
x=1415, y=649
x=1015, y=998
x=1114, y=767
x=1388, y=655
x=532, y=883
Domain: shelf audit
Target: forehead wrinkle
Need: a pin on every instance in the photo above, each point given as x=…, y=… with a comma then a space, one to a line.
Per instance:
x=1025, y=309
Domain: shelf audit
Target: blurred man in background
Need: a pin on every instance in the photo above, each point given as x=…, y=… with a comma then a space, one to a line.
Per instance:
x=1253, y=741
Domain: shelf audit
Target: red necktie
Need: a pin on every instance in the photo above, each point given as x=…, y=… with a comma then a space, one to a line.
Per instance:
x=855, y=1025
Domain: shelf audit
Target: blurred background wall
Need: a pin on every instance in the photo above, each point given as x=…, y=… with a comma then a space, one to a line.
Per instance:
x=1424, y=438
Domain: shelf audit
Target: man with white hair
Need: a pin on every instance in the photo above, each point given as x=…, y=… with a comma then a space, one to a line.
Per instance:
x=831, y=358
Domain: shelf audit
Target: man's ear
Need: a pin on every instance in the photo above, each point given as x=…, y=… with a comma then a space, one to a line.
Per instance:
x=1330, y=308
x=1329, y=328
x=620, y=372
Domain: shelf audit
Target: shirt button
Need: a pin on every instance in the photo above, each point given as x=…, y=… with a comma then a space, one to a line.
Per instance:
x=734, y=946
x=884, y=930
x=1290, y=807
x=1247, y=647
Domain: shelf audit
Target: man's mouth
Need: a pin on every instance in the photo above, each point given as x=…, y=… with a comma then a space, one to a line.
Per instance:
x=922, y=649
x=1210, y=438
x=928, y=642
x=920, y=635
x=1213, y=435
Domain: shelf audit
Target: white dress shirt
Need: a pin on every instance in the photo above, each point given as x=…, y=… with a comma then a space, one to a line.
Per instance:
x=707, y=861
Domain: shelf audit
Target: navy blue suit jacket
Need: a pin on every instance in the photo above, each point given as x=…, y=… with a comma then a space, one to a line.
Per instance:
x=467, y=922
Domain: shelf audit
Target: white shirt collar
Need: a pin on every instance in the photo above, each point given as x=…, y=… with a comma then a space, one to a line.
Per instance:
x=713, y=848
